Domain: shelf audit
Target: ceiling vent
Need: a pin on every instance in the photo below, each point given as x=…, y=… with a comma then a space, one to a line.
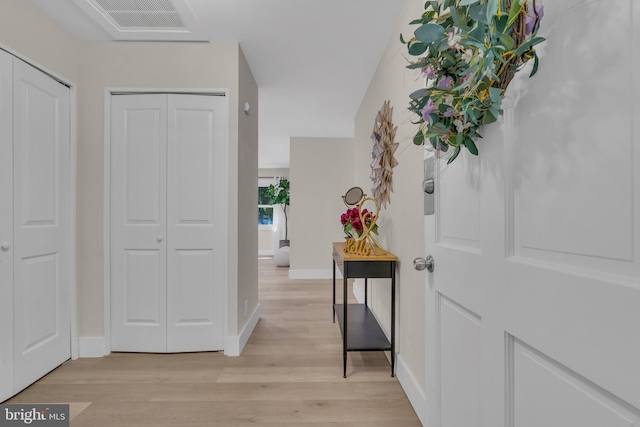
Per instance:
x=144, y=19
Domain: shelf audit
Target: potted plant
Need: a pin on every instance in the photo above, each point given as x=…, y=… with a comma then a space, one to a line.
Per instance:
x=279, y=194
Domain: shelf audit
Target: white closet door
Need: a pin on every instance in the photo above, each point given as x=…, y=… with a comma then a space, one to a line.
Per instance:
x=6, y=229
x=41, y=224
x=194, y=279
x=138, y=223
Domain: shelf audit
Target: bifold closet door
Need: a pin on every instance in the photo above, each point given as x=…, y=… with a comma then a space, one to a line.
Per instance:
x=138, y=223
x=165, y=293
x=6, y=227
x=41, y=144
x=195, y=284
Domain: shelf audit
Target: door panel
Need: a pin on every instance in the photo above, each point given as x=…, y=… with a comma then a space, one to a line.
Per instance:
x=459, y=360
x=546, y=294
x=6, y=228
x=41, y=224
x=196, y=131
x=563, y=398
x=138, y=223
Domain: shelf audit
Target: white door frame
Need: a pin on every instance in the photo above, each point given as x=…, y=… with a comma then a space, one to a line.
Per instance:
x=73, y=136
x=108, y=93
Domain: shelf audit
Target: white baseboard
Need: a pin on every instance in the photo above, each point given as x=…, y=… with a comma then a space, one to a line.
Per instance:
x=314, y=274
x=412, y=389
x=266, y=253
x=91, y=347
x=235, y=345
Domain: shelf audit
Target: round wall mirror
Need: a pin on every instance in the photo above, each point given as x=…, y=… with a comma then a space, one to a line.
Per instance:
x=353, y=196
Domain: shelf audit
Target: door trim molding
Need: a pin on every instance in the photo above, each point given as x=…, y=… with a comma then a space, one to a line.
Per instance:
x=73, y=138
x=109, y=92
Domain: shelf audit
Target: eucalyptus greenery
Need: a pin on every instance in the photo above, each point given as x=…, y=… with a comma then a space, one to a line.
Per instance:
x=468, y=51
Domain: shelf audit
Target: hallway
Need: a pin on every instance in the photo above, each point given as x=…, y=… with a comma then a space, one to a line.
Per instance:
x=290, y=373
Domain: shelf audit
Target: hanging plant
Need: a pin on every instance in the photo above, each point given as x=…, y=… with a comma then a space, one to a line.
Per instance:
x=468, y=51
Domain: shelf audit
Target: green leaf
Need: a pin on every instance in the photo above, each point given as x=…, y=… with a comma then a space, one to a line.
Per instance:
x=415, y=21
x=440, y=128
x=500, y=24
x=420, y=93
x=523, y=47
x=417, y=49
x=429, y=33
x=459, y=138
x=495, y=111
x=513, y=13
x=478, y=12
x=416, y=65
x=471, y=146
x=419, y=138
x=455, y=17
x=495, y=93
x=449, y=60
x=468, y=2
x=433, y=4
x=402, y=39
x=507, y=41
x=492, y=9
x=434, y=142
x=489, y=117
x=535, y=66
x=454, y=155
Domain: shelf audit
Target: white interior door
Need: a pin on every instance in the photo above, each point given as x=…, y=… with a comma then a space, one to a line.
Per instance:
x=194, y=262
x=532, y=310
x=41, y=224
x=167, y=292
x=138, y=223
x=6, y=227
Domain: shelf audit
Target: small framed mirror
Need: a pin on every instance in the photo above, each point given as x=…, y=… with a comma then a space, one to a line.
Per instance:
x=353, y=196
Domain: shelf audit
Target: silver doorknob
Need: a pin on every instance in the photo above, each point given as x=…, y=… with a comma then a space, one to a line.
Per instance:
x=422, y=263
x=5, y=246
x=428, y=186
x=159, y=238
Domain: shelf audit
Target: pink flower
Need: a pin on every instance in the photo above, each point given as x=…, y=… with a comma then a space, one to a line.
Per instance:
x=429, y=108
x=530, y=20
x=429, y=72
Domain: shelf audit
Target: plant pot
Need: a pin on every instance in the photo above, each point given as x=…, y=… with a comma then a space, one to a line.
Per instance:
x=283, y=243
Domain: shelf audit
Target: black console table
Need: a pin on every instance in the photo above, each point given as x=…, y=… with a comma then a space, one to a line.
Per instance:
x=360, y=329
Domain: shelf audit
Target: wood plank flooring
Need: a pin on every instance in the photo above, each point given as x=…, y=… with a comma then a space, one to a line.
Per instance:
x=289, y=374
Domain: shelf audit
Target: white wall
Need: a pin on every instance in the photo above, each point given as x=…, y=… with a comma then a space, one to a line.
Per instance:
x=321, y=172
x=30, y=32
x=401, y=223
x=247, y=193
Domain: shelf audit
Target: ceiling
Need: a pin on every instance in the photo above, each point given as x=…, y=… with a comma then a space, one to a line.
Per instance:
x=312, y=59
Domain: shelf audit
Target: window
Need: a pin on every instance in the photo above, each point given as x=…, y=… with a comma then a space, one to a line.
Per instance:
x=265, y=210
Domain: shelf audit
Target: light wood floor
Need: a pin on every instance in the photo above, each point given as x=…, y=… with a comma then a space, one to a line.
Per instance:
x=289, y=374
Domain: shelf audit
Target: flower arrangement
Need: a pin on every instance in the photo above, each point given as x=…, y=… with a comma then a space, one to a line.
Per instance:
x=353, y=222
x=468, y=51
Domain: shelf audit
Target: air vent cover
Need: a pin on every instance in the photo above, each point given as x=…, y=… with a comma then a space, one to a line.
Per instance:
x=145, y=19
x=141, y=14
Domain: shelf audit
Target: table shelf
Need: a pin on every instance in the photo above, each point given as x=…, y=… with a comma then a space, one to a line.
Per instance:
x=364, y=332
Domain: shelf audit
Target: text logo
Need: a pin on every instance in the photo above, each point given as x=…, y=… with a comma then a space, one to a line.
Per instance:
x=34, y=415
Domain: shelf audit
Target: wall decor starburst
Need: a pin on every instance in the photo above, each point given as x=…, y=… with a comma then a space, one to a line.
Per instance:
x=384, y=148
